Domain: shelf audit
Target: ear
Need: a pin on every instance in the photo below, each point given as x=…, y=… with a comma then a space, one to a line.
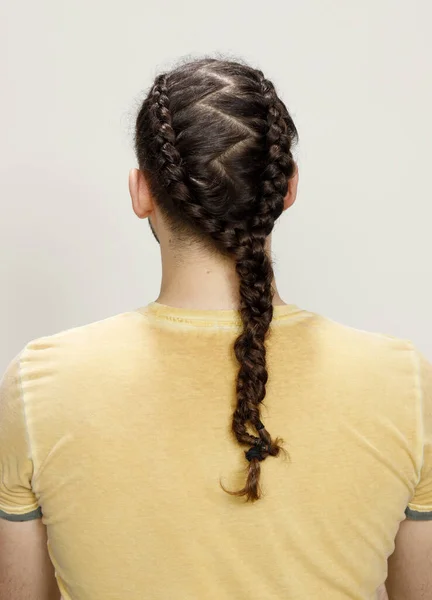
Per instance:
x=142, y=202
x=291, y=194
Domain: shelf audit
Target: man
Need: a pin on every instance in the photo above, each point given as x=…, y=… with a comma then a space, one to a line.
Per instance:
x=145, y=447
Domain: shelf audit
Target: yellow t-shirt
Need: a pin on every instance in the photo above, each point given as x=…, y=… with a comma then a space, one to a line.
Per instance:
x=119, y=433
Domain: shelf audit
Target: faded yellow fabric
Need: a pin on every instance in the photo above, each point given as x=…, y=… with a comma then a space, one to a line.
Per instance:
x=120, y=432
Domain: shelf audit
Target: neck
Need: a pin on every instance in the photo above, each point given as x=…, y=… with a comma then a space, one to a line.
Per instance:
x=197, y=278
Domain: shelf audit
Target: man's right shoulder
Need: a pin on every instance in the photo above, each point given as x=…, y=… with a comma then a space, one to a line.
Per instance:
x=338, y=340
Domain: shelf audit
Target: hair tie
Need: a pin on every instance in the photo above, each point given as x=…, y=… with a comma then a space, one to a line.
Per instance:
x=254, y=452
x=259, y=426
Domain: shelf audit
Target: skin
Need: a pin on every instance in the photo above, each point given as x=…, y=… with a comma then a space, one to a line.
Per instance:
x=192, y=275
x=382, y=593
x=195, y=277
x=26, y=572
x=410, y=565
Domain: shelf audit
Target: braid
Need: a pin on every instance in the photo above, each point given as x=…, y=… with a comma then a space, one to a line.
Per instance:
x=255, y=273
x=168, y=160
x=234, y=137
x=170, y=171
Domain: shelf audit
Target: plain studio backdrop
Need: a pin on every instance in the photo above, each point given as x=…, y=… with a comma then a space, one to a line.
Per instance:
x=357, y=79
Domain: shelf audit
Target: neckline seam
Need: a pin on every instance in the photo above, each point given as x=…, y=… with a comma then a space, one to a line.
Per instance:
x=208, y=318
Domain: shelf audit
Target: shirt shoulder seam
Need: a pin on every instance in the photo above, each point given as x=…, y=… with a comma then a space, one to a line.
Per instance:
x=24, y=410
x=419, y=400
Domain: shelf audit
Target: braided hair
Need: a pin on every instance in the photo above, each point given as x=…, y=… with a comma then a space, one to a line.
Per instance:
x=215, y=142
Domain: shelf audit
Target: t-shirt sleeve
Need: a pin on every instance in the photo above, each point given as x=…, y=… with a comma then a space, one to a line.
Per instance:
x=17, y=500
x=420, y=506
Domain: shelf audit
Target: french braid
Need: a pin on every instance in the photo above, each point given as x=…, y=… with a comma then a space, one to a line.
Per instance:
x=230, y=191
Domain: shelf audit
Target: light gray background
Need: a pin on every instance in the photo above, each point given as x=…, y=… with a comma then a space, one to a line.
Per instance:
x=356, y=76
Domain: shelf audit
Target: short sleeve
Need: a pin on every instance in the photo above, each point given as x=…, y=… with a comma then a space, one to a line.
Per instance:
x=420, y=506
x=17, y=501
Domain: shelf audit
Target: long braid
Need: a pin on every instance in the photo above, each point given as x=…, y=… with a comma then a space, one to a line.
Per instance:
x=255, y=273
x=201, y=194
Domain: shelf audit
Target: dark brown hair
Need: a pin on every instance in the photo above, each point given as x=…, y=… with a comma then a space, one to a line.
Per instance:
x=214, y=141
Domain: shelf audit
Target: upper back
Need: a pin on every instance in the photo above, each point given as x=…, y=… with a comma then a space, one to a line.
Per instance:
x=128, y=423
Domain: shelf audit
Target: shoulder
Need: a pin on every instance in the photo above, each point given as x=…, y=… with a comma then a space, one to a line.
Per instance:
x=359, y=340
x=374, y=352
x=101, y=342
x=97, y=332
x=329, y=343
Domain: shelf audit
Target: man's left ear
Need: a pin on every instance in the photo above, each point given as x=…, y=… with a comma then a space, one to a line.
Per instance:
x=142, y=202
x=291, y=194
